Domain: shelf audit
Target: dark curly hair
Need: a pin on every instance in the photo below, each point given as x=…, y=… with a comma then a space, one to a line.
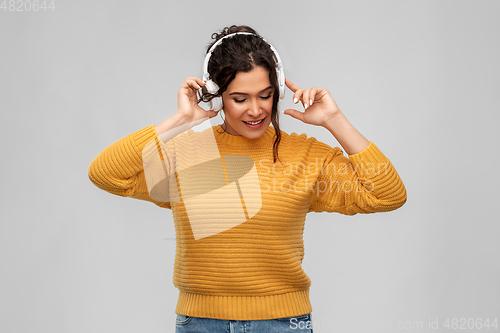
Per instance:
x=242, y=53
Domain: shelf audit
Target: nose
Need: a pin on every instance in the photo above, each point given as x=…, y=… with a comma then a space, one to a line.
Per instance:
x=255, y=110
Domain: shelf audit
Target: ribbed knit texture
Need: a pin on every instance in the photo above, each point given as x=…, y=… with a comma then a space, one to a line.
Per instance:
x=253, y=271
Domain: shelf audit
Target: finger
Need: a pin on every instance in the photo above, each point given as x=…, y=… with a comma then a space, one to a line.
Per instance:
x=212, y=113
x=312, y=95
x=200, y=81
x=295, y=114
x=194, y=78
x=291, y=85
x=193, y=84
x=305, y=98
x=297, y=96
x=187, y=83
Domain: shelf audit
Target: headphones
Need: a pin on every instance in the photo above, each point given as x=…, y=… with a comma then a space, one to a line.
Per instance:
x=212, y=88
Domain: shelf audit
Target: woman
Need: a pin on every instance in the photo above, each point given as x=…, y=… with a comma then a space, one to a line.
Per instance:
x=239, y=192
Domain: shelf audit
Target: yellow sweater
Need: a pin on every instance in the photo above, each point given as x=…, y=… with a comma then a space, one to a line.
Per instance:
x=239, y=217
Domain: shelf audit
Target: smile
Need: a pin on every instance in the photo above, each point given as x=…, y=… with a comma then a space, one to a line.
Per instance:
x=254, y=122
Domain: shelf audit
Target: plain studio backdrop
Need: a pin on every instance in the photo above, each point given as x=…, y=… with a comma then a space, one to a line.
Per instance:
x=418, y=78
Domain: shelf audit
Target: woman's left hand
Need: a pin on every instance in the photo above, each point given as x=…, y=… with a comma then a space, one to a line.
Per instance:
x=319, y=105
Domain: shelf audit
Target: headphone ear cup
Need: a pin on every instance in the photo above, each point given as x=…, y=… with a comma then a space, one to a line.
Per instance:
x=216, y=102
x=281, y=82
x=211, y=86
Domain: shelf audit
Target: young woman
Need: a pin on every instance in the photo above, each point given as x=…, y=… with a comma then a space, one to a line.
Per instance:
x=240, y=191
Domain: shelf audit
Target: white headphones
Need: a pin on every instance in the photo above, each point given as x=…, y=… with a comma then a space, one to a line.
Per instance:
x=212, y=87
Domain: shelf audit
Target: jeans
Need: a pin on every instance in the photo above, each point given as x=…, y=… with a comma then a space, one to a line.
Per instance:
x=188, y=324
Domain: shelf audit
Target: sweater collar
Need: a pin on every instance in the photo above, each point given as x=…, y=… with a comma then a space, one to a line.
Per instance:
x=239, y=140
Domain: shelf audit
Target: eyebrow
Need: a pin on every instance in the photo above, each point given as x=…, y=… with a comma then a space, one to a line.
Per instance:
x=239, y=93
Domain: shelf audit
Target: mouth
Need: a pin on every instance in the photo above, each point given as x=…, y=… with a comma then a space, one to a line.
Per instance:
x=253, y=123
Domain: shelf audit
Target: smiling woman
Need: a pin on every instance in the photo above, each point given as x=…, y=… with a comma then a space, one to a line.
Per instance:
x=246, y=70
x=239, y=227
x=247, y=107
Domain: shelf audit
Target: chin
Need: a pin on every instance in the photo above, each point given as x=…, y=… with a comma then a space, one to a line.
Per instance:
x=255, y=135
x=257, y=132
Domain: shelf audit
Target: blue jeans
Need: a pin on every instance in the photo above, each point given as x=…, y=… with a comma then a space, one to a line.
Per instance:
x=188, y=324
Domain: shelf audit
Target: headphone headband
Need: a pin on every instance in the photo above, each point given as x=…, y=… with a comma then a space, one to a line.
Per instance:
x=211, y=86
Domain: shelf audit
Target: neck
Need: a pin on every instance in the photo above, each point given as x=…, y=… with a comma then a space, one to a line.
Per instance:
x=224, y=126
x=240, y=140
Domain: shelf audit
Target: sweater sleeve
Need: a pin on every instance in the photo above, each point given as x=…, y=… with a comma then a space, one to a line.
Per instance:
x=365, y=182
x=119, y=168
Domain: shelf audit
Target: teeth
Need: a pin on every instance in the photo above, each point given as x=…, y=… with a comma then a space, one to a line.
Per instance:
x=253, y=123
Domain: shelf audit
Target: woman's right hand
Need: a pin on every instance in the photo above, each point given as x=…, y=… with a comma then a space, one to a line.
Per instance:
x=187, y=102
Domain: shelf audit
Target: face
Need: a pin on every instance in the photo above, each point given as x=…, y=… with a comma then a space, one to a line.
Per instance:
x=248, y=98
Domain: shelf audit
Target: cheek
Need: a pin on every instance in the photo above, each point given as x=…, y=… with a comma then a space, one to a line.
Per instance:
x=270, y=104
x=234, y=111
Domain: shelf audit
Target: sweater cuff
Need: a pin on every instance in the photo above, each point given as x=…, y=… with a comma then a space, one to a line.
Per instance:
x=369, y=160
x=138, y=140
x=143, y=136
x=149, y=145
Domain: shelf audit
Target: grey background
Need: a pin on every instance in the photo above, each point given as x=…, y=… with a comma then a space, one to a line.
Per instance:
x=418, y=78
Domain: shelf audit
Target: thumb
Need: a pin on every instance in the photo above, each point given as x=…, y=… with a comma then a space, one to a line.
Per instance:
x=295, y=114
x=212, y=113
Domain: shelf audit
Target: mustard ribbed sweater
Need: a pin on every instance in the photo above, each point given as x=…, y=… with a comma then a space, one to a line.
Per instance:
x=239, y=217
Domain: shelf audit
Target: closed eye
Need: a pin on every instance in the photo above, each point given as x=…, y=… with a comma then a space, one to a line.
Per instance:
x=243, y=100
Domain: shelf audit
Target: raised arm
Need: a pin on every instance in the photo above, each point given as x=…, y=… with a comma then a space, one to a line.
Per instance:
x=119, y=168
x=366, y=182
